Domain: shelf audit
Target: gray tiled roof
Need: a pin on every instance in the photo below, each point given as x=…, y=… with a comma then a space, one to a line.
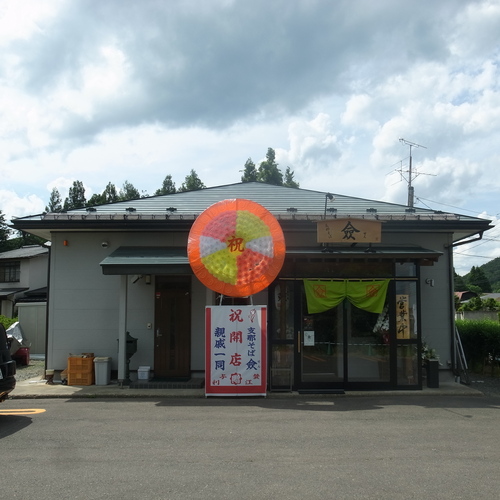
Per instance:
x=26, y=252
x=295, y=209
x=281, y=201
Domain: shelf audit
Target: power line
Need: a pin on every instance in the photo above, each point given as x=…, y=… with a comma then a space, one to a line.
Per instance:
x=482, y=243
x=475, y=256
x=419, y=198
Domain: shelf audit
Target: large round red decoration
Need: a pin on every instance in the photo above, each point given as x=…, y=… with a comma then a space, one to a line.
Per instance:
x=236, y=247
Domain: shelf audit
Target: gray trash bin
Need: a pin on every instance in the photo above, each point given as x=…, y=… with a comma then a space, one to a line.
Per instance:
x=102, y=370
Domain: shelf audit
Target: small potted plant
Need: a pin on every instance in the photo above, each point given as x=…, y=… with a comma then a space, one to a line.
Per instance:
x=430, y=361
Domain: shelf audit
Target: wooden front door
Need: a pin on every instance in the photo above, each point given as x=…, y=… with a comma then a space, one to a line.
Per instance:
x=172, y=328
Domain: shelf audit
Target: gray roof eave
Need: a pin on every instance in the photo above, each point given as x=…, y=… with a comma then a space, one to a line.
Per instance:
x=142, y=222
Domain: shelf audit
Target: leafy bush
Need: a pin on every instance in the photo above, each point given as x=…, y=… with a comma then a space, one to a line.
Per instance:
x=479, y=304
x=7, y=321
x=480, y=339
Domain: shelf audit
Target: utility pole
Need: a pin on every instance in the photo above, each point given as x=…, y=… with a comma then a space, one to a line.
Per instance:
x=410, y=173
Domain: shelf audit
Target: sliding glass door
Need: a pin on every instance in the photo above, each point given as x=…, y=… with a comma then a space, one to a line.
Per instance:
x=321, y=347
x=343, y=347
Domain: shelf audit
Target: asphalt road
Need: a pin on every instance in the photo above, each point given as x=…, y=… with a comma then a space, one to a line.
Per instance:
x=332, y=448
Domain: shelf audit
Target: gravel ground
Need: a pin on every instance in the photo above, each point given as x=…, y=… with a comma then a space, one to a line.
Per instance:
x=490, y=386
x=32, y=371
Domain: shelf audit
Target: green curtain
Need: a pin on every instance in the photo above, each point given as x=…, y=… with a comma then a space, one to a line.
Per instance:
x=324, y=295
x=367, y=295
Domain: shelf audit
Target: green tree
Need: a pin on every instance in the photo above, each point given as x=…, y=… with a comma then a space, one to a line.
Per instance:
x=192, y=182
x=491, y=305
x=459, y=283
x=289, y=180
x=250, y=172
x=475, y=289
x=76, y=196
x=168, y=186
x=4, y=233
x=268, y=170
x=55, y=201
x=25, y=239
x=110, y=195
x=478, y=304
x=492, y=271
x=95, y=199
x=128, y=192
x=477, y=278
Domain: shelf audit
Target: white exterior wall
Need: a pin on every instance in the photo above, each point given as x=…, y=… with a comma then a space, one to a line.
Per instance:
x=24, y=277
x=33, y=273
x=32, y=318
x=140, y=312
x=84, y=303
x=477, y=315
x=437, y=301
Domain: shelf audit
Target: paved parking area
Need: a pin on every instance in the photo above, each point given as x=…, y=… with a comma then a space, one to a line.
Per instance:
x=384, y=446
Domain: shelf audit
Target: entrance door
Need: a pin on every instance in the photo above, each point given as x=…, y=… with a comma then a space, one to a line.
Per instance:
x=321, y=348
x=367, y=348
x=344, y=347
x=172, y=328
x=340, y=348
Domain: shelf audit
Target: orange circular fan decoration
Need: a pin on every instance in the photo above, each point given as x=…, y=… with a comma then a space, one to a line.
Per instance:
x=236, y=247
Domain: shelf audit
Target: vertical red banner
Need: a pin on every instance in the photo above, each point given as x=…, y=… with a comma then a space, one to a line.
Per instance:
x=235, y=350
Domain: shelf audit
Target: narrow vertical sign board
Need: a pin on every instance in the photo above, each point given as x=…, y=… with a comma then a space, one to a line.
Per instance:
x=403, y=316
x=235, y=350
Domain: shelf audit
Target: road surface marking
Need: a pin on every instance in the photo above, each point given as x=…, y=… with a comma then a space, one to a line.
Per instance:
x=28, y=411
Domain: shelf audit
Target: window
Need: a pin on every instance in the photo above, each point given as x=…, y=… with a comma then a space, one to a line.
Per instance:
x=10, y=272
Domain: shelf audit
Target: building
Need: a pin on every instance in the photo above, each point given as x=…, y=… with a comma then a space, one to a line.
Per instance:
x=123, y=267
x=23, y=277
x=465, y=295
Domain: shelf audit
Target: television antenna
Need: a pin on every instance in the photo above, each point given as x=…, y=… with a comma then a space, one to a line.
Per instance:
x=411, y=175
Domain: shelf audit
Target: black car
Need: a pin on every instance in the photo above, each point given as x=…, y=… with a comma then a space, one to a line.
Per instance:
x=7, y=367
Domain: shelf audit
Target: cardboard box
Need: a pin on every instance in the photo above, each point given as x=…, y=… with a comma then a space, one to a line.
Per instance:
x=79, y=364
x=78, y=378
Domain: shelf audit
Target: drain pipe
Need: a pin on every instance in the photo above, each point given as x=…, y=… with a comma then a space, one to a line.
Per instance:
x=459, y=242
x=452, y=293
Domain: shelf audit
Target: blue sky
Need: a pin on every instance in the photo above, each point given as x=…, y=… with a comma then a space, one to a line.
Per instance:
x=125, y=90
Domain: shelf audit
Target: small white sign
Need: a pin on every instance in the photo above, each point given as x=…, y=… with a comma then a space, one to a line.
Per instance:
x=309, y=337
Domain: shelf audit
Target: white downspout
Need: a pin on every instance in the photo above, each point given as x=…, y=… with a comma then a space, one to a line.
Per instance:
x=122, y=329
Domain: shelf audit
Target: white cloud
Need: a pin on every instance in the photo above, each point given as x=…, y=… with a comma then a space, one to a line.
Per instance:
x=357, y=113
x=313, y=144
x=16, y=206
x=20, y=19
x=476, y=29
x=87, y=95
